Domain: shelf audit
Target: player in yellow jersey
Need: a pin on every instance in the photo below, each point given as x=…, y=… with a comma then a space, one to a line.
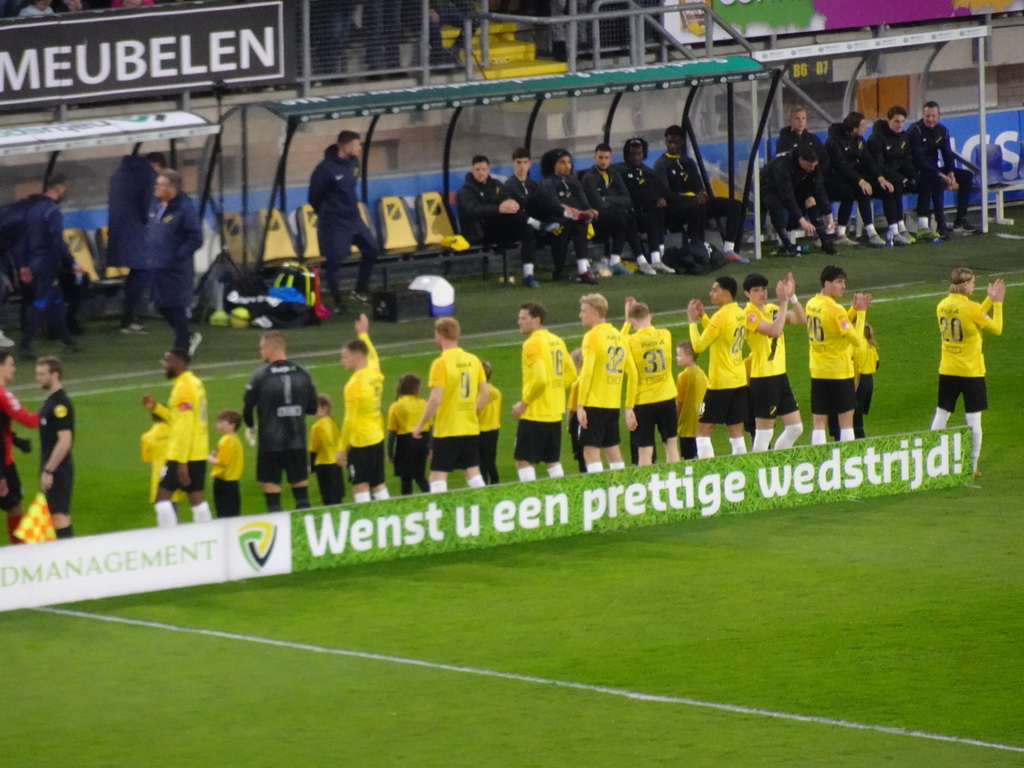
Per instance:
x=832, y=335
x=962, y=367
x=691, y=386
x=651, y=392
x=361, y=446
x=490, y=426
x=457, y=396
x=725, y=402
x=771, y=396
x=189, y=442
x=548, y=371
x=599, y=394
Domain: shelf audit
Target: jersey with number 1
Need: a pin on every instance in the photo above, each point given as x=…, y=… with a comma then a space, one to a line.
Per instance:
x=605, y=362
x=723, y=334
x=651, y=350
x=461, y=376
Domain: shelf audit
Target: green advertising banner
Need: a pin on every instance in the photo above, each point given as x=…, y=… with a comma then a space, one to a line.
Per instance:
x=545, y=509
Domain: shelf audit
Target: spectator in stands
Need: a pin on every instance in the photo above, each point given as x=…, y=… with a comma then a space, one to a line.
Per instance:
x=173, y=235
x=853, y=176
x=648, y=195
x=690, y=205
x=606, y=192
x=129, y=203
x=793, y=192
x=561, y=186
x=330, y=27
x=933, y=157
x=796, y=135
x=42, y=256
x=35, y=9
x=339, y=225
x=889, y=146
x=542, y=216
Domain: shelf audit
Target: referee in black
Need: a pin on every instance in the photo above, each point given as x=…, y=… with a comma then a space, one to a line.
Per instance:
x=56, y=436
x=280, y=395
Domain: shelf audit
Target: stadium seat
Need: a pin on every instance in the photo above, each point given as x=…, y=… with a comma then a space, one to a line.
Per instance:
x=277, y=243
x=102, y=240
x=304, y=223
x=397, y=231
x=81, y=251
x=993, y=162
x=434, y=218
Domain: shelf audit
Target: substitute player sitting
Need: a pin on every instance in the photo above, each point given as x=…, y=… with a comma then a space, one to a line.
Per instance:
x=651, y=391
x=770, y=394
x=361, y=446
x=962, y=367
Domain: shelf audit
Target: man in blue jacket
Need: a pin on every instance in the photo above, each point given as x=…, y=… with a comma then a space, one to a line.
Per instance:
x=933, y=156
x=332, y=193
x=129, y=202
x=173, y=235
x=42, y=256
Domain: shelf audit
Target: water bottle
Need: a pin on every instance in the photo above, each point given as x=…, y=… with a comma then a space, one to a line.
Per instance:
x=803, y=249
x=78, y=273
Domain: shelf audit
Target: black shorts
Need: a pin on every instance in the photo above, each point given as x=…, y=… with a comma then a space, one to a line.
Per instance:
x=196, y=477
x=655, y=416
x=58, y=498
x=12, y=498
x=411, y=455
x=270, y=465
x=602, y=430
x=331, y=480
x=538, y=442
x=451, y=453
x=830, y=397
x=971, y=387
x=772, y=397
x=227, y=497
x=724, y=406
x=865, y=388
x=366, y=464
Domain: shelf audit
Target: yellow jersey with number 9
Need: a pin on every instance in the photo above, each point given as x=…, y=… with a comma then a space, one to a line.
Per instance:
x=461, y=376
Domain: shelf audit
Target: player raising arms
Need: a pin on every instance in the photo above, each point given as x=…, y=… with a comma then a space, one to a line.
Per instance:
x=962, y=367
x=831, y=332
x=361, y=446
x=770, y=394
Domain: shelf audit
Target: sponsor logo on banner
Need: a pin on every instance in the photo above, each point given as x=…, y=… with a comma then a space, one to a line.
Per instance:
x=257, y=543
x=259, y=546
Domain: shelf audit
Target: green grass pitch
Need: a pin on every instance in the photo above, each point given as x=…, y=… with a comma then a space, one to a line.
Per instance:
x=703, y=643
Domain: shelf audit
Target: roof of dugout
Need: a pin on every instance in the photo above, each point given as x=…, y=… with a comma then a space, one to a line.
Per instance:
x=688, y=74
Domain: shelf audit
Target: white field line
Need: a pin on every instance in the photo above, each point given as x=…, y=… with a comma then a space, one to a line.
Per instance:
x=151, y=379
x=621, y=692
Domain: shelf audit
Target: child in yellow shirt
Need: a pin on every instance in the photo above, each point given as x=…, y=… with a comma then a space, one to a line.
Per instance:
x=228, y=462
x=406, y=453
x=691, y=384
x=324, y=439
x=490, y=423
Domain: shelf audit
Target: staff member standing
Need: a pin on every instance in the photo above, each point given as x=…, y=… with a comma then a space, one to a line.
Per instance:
x=332, y=193
x=56, y=436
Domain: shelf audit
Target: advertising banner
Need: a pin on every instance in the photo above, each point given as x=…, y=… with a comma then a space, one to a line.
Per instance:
x=77, y=57
x=546, y=509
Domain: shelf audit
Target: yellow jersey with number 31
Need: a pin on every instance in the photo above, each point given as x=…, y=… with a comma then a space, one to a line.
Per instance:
x=651, y=350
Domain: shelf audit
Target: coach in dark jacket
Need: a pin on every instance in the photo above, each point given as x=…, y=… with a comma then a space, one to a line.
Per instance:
x=339, y=226
x=129, y=202
x=933, y=157
x=173, y=235
x=794, y=194
x=42, y=257
x=479, y=203
x=607, y=194
x=796, y=135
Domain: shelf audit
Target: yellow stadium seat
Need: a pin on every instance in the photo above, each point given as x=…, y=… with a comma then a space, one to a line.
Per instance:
x=233, y=235
x=102, y=240
x=434, y=218
x=81, y=251
x=277, y=239
x=397, y=230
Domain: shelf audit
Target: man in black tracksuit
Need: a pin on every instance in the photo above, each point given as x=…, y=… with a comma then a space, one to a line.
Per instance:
x=648, y=195
x=541, y=214
x=933, y=157
x=853, y=176
x=796, y=135
x=564, y=190
x=889, y=147
x=607, y=194
x=794, y=194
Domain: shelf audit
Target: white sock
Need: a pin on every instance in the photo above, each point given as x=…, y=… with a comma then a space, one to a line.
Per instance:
x=789, y=435
x=841, y=229
x=704, y=448
x=641, y=260
x=870, y=229
x=762, y=440
x=817, y=437
x=614, y=259
x=527, y=474
x=901, y=227
x=438, y=486
x=974, y=422
x=738, y=445
x=361, y=497
x=476, y=481
x=165, y=514
x=893, y=229
x=201, y=513
x=533, y=222
x=655, y=257
x=940, y=419
x=582, y=265
x=616, y=465
x=555, y=471
x=597, y=466
x=381, y=494
x=661, y=249
x=527, y=269
x=846, y=435
x=728, y=246
x=924, y=223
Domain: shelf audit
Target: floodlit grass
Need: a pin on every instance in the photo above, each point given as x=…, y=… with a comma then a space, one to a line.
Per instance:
x=899, y=612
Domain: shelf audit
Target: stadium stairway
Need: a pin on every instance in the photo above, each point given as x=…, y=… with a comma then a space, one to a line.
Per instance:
x=507, y=56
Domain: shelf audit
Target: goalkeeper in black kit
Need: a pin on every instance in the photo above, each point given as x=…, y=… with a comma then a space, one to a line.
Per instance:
x=280, y=394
